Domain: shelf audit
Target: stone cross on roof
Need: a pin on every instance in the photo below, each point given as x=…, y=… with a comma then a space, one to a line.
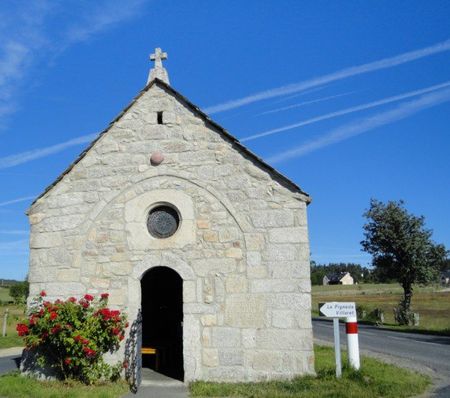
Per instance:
x=158, y=71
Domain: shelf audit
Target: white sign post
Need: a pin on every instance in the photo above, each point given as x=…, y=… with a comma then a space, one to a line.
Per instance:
x=337, y=347
x=338, y=310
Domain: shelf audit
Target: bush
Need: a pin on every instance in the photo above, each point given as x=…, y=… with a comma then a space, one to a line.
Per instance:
x=365, y=314
x=70, y=337
x=403, y=315
x=19, y=292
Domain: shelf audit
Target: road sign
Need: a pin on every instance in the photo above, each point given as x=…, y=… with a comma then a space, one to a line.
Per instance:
x=337, y=309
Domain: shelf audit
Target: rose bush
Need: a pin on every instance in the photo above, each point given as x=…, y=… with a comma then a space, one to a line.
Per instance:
x=71, y=336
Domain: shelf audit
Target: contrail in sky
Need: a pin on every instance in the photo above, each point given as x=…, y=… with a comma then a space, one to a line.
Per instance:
x=14, y=232
x=338, y=75
x=24, y=157
x=311, y=90
x=285, y=108
x=10, y=202
x=349, y=130
x=347, y=111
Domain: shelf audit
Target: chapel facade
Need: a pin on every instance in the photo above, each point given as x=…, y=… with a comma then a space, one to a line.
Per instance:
x=191, y=234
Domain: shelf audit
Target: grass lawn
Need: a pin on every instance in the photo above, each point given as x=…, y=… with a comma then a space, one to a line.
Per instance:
x=16, y=386
x=16, y=313
x=376, y=379
x=4, y=295
x=431, y=302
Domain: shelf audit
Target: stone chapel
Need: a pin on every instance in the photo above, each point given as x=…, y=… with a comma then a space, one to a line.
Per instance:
x=190, y=233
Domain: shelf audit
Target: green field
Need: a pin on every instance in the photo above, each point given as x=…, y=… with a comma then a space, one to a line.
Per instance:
x=431, y=302
x=4, y=295
x=16, y=313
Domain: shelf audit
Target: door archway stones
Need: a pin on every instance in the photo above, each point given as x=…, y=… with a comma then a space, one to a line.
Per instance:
x=191, y=325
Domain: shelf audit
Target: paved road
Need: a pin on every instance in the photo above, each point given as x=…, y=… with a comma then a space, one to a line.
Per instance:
x=9, y=363
x=423, y=351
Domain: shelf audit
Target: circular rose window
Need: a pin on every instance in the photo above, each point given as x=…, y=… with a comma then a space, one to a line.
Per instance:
x=163, y=221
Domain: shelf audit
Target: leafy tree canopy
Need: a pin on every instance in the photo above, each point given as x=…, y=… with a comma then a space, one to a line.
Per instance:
x=19, y=292
x=401, y=246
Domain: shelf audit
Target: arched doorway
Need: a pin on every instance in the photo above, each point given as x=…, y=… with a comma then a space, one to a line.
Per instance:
x=162, y=322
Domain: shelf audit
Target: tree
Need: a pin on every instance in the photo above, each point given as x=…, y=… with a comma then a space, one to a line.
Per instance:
x=402, y=249
x=19, y=292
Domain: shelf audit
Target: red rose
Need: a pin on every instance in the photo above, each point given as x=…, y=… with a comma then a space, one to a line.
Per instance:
x=125, y=364
x=104, y=296
x=115, y=331
x=22, y=329
x=85, y=341
x=127, y=324
x=106, y=313
x=53, y=315
x=88, y=297
x=85, y=304
x=89, y=352
x=115, y=315
x=77, y=338
x=56, y=329
x=121, y=337
x=68, y=361
x=43, y=294
x=72, y=300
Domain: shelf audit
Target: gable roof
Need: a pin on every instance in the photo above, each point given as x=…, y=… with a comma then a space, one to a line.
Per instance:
x=286, y=182
x=336, y=277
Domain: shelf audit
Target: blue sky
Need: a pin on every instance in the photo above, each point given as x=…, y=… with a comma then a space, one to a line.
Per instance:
x=350, y=99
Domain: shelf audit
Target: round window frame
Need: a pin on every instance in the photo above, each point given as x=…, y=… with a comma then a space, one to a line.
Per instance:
x=154, y=207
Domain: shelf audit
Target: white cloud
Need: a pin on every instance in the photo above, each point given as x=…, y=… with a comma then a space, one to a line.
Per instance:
x=22, y=36
x=10, y=202
x=347, y=111
x=103, y=16
x=349, y=130
x=25, y=40
x=338, y=75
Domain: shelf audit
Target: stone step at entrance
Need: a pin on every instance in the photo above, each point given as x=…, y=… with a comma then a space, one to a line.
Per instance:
x=152, y=378
x=157, y=385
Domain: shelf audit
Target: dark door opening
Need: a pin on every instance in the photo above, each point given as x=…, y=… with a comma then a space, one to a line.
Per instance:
x=162, y=322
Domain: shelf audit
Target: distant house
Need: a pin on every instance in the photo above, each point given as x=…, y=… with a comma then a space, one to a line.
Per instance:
x=445, y=277
x=339, y=278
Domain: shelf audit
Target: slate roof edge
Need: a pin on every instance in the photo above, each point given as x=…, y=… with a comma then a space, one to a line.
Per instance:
x=276, y=174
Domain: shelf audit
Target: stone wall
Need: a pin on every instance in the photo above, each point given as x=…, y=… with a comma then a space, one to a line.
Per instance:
x=242, y=247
